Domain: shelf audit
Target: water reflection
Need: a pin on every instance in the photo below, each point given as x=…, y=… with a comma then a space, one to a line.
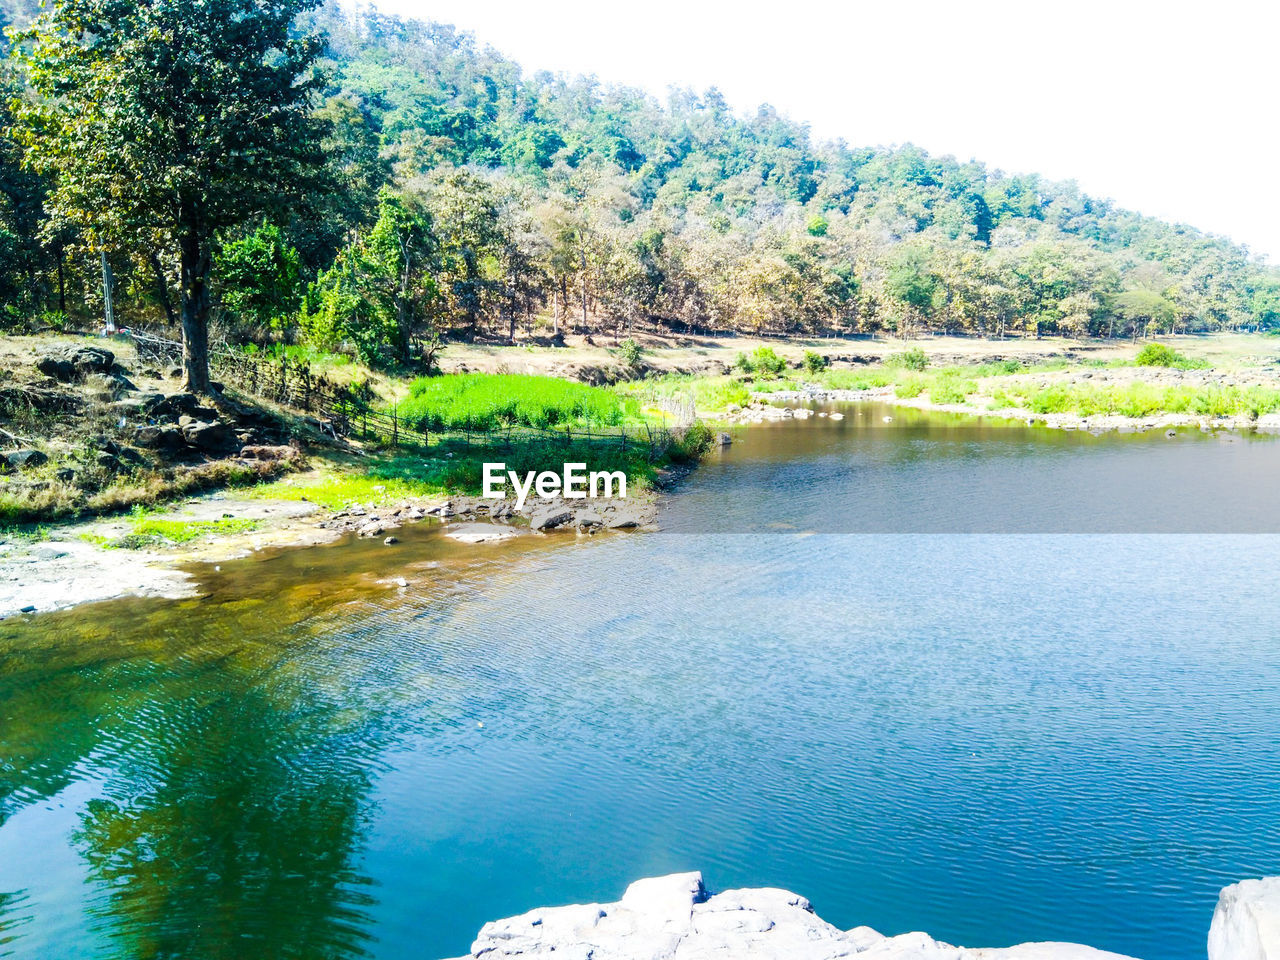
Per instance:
x=884, y=469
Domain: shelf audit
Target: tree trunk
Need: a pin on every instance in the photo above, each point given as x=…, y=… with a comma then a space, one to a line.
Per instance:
x=195, y=313
x=403, y=324
x=62, y=283
x=583, y=256
x=162, y=290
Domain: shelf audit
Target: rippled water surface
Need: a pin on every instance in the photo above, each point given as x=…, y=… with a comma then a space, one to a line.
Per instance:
x=991, y=736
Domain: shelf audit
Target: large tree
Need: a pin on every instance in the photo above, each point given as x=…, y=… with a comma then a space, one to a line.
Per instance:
x=164, y=122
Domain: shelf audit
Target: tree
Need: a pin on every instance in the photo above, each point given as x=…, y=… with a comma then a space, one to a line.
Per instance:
x=261, y=279
x=164, y=122
x=469, y=233
x=381, y=291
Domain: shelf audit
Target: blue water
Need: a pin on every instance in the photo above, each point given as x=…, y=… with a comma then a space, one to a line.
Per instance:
x=992, y=737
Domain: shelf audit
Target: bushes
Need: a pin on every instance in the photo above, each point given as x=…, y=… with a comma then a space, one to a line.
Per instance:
x=1145, y=400
x=815, y=363
x=691, y=445
x=763, y=361
x=913, y=359
x=854, y=379
x=488, y=401
x=629, y=353
x=951, y=386
x=707, y=393
x=910, y=387
x=1161, y=355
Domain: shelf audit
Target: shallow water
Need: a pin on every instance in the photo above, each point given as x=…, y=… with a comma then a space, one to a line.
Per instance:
x=994, y=737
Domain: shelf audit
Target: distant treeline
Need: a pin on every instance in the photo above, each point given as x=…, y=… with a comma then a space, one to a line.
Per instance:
x=461, y=196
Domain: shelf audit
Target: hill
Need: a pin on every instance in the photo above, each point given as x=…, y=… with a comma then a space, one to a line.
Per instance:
x=537, y=203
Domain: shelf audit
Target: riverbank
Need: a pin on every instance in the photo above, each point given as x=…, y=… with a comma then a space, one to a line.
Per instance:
x=313, y=489
x=676, y=917
x=160, y=553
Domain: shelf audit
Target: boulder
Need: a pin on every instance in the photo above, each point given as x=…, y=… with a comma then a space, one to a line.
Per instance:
x=76, y=363
x=1246, y=924
x=26, y=459
x=213, y=437
x=160, y=438
x=266, y=453
x=590, y=520
x=550, y=517
x=676, y=918
x=479, y=533
x=177, y=404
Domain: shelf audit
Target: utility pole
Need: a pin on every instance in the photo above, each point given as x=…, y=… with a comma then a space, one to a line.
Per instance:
x=108, y=283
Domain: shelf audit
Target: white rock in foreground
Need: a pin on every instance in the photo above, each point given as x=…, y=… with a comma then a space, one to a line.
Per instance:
x=674, y=918
x=1246, y=925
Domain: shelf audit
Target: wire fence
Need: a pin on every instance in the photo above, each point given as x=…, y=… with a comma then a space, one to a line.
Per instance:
x=355, y=410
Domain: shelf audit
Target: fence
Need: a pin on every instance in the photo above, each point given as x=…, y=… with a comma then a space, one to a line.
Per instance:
x=350, y=409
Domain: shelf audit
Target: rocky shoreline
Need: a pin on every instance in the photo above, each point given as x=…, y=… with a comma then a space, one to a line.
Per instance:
x=677, y=918
x=765, y=406
x=70, y=566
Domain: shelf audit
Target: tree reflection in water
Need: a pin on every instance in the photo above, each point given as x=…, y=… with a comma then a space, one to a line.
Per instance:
x=236, y=761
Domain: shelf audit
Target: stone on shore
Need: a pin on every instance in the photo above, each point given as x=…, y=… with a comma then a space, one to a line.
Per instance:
x=676, y=918
x=1246, y=924
x=548, y=518
x=479, y=532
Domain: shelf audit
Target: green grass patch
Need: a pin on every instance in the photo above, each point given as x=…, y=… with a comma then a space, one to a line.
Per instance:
x=908, y=388
x=854, y=379
x=951, y=386
x=710, y=394
x=1143, y=400
x=490, y=401
x=152, y=531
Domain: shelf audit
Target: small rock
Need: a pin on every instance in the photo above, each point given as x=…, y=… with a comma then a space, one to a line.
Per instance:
x=390, y=540
x=26, y=459
x=548, y=518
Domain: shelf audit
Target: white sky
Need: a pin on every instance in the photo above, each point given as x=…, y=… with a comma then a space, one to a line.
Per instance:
x=1170, y=108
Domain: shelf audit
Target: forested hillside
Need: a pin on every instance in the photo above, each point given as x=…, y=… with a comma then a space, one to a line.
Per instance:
x=463, y=197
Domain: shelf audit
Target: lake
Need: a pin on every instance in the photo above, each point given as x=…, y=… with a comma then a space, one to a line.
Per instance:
x=990, y=681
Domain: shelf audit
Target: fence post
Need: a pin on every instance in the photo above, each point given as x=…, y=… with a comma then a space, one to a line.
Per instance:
x=395, y=426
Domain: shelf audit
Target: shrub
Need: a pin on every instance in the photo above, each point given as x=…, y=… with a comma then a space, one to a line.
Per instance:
x=766, y=362
x=855, y=379
x=691, y=445
x=951, y=388
x=909, y=387
x=815, y=362
x=743, y=363
x=913, y=359
x=1161, y=355
x=629, y=353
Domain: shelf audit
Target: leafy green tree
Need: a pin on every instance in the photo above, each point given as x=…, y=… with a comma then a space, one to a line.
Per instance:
x=912, y=283
x=381, y=293
x=470, y=241
x=260, y=277
x=164, y=123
